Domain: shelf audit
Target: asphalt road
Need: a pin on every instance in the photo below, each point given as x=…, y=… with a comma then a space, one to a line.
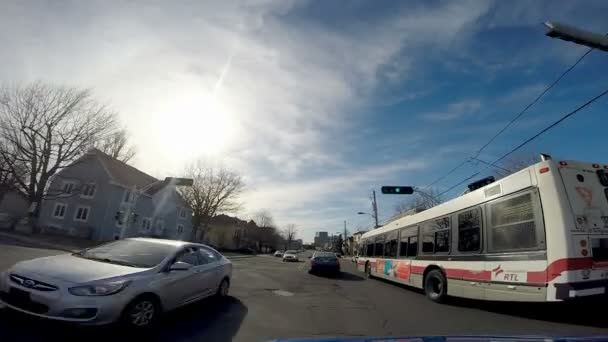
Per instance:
x=273, y=299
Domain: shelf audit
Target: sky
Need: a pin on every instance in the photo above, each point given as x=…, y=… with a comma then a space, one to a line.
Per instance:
x=317, y=103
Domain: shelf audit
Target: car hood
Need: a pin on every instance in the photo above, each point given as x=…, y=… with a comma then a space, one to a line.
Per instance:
x=448, y=339
x=70, y=268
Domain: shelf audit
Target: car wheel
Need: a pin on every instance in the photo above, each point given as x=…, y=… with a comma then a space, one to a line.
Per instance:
x=141, y=312
x=223, y=289
x=436, y=286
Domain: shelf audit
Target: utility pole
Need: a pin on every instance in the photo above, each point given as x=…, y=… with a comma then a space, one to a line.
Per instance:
x=375, y=208
x=577, y=36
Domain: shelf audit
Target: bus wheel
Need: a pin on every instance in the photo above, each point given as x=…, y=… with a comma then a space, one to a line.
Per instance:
x=436, y=286
x=368, y=270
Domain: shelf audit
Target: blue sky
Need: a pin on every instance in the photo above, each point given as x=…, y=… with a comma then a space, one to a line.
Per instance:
x=318, y=102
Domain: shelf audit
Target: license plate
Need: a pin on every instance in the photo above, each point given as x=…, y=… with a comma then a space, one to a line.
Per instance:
x=19, y=295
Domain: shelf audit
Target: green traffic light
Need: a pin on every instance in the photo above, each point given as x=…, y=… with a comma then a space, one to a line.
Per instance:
x=397, y=189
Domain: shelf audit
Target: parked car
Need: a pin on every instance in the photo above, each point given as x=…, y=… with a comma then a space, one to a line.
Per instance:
x=130, y=280
x=278, y=253
x=290, y=256
x=324, y=262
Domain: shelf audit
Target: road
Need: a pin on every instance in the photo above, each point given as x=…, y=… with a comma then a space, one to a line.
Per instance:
x=273, y=299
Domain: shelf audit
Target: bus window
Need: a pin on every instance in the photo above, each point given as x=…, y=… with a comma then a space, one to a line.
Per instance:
x=403, y=245
x=379, y=248
x=369, y=250
x=436, y=236
x=412, y=248
x=513, y=224
x=390, y=246
x=442, y=241
x=469, y=231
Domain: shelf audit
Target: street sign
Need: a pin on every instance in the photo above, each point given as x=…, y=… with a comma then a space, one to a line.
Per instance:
x=397, y=190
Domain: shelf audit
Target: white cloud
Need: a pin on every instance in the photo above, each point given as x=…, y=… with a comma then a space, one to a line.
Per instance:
x=454, y=111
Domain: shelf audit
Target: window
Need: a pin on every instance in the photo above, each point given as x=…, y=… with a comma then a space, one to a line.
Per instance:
x=390, y=246
x=146, y=224
x=120, y=218
x=88, y=190
x=379, y=246
x=369, y=250
x=436, y=236
x=59, y=210
x=182, y=213
x=403, y=244
x=134, y=252
x=180, y=228
x=513, y=224
x=412, y=246
x=599, y=249
x=469, y=231
x=160, y=224
x=68, y=186
x=208, y=256
x=128, y=196
x=81, y=214
x=189, y=256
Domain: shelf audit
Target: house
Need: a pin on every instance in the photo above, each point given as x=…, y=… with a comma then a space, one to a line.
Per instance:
x=226, y=232
x=356, y=240
x=101, y=198
x=13, y=206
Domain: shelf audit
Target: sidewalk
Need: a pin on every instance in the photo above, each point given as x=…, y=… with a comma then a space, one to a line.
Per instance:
x=63, y=243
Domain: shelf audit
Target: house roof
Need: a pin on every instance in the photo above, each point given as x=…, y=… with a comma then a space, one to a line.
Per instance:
x=122, y=172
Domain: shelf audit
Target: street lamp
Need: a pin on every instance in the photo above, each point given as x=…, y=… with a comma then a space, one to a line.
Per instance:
x=372, y=215
x=577, y=36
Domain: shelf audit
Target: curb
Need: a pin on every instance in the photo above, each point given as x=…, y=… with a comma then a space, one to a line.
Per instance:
x=233, y=257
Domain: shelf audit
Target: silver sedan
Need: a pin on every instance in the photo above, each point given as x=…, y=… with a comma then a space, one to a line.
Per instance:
x=131, y=281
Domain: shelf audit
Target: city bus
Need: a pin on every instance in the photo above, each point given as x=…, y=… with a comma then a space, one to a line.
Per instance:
x=540, y=234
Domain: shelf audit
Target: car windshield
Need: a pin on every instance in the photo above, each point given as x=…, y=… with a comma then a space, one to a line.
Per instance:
x=291, y=252
x=134, y=253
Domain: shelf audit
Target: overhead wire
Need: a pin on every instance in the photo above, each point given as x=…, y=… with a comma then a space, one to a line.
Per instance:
x=527, y=141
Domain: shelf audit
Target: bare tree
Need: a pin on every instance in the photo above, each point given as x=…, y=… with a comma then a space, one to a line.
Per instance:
x=116, y=146
x=419, y=200
x=289, y=234
x=43, y=128
x=215, y=191
x=263, y=218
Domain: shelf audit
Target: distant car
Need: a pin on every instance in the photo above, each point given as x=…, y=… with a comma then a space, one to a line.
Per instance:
x=131, y=280
x=354, y=258
x=324, y=262
x=278, y=253
x=290, y=256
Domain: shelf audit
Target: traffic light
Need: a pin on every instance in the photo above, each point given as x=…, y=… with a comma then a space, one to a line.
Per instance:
x=397, y=190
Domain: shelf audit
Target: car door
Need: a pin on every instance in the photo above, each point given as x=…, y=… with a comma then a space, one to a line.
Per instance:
x=183, y=286
x=209, y=270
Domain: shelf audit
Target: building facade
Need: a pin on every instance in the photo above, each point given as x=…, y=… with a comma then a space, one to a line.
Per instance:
x=101, y=198
x=321, y=240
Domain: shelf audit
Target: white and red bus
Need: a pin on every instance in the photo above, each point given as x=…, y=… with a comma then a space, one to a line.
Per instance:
x=540, y=234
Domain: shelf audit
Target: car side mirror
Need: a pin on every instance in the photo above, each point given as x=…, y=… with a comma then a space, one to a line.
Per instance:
x=180, y=266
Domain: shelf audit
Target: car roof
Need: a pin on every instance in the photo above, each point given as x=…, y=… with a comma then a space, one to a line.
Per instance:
x=175, y=243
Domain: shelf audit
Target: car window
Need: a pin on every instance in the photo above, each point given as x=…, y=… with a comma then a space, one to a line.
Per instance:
x=207, y=256
x=189, y=256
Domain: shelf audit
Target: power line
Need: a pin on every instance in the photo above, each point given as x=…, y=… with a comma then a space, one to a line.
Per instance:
x=533, y=102
x=515, y=118
x=566, y=116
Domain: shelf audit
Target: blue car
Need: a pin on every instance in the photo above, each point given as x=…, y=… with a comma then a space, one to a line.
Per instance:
x=324, y=262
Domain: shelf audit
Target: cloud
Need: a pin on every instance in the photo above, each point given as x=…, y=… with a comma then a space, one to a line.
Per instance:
x=454, y=111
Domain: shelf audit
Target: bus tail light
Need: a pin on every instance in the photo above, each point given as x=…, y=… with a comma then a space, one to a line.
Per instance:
x=583, y=243
x=544, y=170
x=584, y=252
x=563, y=163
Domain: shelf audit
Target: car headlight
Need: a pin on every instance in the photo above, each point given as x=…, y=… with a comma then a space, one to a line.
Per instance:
x=102, y=289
